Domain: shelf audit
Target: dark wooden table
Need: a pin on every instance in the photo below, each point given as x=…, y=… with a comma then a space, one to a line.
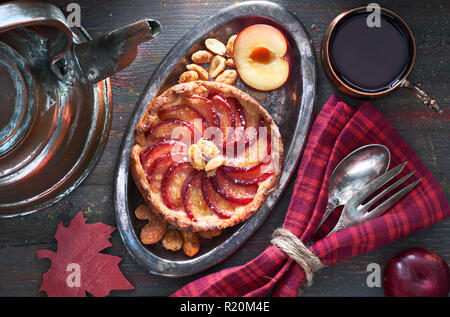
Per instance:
x=427, y=133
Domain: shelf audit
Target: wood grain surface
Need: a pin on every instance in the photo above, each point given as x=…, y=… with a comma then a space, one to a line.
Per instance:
x=426, y=132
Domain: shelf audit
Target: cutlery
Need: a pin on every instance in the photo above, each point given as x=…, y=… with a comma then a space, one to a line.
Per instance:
x=355, y=212
x=354, y=171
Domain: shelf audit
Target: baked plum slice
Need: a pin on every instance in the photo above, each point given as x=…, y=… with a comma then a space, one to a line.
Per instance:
x=185, y=113
x=237, y=135
x=253, y=155
x=172, y=184
x=205, y=107
x=156, y=150
x=194, y=202
x=242, y=194
x=240, y=119
x=251, y=176
x=172, y=129
x=222, y=207
x=225, y=113
x=156, y=174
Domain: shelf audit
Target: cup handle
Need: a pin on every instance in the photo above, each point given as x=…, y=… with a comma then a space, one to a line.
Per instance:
x=427, y=100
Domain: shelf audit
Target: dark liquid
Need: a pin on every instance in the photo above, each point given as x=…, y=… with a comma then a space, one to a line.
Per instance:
x=369, y=58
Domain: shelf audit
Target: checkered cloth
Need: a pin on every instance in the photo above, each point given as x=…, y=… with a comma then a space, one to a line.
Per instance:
x=337, y=130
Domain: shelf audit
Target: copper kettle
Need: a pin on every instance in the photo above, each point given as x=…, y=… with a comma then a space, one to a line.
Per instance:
x=56, y=107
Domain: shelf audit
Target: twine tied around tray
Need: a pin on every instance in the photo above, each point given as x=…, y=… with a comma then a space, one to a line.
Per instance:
x=296, y=250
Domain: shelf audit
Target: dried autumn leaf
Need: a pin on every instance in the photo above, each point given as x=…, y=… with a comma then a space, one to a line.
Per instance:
x=77, y=266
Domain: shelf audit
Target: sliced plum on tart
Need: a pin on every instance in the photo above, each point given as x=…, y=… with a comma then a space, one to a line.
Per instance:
x=219, y=168
x=253, y=154
x=225, y=113
x=172, y=184
x=205, y=107
x=166, y=147
x=238, y=193
x=255, y=175
x=185, y=113
x=222, y=207
x=173, y=129
x=156, y=174
x=194, y=202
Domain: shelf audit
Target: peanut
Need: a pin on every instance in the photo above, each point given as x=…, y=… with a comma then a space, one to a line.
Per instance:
x=196, y=157
x=228, y=77
x=210, y=234
x=153, y=232
x=202, y=57
x=208, y=148
x=215, y=46
x=214, y=163
x=142, y=212
x=188, y=76
x=172, y=240
x=230, y=63
x=202, y=72
x=191, y=243
x=218, y=64
x=230, y=46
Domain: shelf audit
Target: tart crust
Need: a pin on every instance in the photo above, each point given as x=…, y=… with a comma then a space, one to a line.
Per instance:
x=174, y=96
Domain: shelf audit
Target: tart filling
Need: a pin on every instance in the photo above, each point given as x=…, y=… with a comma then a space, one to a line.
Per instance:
x=206, y=156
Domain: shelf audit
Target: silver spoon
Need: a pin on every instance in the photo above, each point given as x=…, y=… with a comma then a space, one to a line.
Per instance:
x=355, y=171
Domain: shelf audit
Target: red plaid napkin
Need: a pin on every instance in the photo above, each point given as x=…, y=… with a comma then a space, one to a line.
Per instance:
x=337, y=130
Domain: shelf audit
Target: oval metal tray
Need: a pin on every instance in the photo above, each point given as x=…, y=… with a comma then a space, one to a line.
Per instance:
x=290, y=106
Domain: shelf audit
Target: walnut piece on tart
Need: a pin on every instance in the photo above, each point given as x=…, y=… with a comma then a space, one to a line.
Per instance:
x=206, y=156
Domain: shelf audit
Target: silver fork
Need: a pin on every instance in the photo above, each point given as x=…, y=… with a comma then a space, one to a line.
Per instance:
x=355, y=213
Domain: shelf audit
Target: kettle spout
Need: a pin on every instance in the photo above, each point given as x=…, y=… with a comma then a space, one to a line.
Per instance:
x=102, y=57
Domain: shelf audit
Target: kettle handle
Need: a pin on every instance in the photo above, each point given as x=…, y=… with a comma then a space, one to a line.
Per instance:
x=43, y=18
x=96, y=59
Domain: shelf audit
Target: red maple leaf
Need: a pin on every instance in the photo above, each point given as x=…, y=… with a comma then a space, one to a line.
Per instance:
x=77, y=266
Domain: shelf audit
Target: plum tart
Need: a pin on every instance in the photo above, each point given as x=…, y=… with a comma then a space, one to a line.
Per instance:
x=206, y=155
